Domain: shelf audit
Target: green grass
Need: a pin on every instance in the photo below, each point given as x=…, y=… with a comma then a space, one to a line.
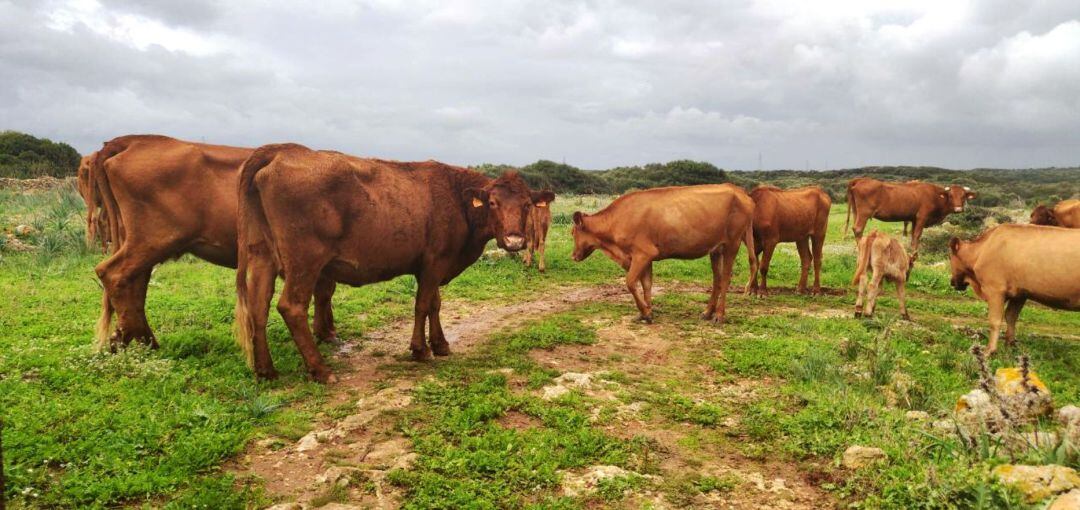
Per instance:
x=153, y=428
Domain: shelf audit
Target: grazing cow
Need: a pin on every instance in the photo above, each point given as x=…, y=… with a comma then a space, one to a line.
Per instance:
x=922, y=204
x=97, y=228
x=161, y=198
x=685, y=222
x=1065, y=214
x=800, y=216
x=887, y=260
x=536, y=231
x=1009, y=264
x=360, y=221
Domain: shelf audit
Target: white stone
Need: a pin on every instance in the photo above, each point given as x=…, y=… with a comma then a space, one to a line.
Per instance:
x=922, y=416
x=308, y=442
x=579, y=484
x=1068, y=501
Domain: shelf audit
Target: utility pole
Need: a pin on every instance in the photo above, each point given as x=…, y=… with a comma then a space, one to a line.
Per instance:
x=759, y=161
x=2, y=488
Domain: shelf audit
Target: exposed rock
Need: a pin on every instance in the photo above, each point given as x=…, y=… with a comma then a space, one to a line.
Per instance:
x=1068, y=501
x=25, y=230
x=858, y=457
x=394, y=397
x=564, y=383
x=1069, y=417
x=339, y=506
x=554, y=392
x=920, y=416
x=1010, y=385
x=336, y=475
x=1038, y=482
x=579, y=484
x=308, y=442
x=945, y=426
x=268, y=443
x=285, y=506
x=386, y=455
x=12, y=243
x=1041, y=440
x=976, y=413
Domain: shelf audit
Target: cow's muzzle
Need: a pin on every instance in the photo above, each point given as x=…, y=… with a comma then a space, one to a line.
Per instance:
x=958, y=209
x=959, y=283
x=514, y=242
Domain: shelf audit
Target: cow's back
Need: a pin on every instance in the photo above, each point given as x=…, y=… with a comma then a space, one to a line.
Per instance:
x=1067, y=213
x=681, y=221
x=185, y=192
x=795, y=213
x=1033, y=260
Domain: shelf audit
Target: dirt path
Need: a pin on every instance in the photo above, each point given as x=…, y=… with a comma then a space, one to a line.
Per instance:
x=347, y=458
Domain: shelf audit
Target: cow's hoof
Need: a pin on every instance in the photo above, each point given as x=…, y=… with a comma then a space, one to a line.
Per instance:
x=645, y=319
x=440, y=348
x=421, y=354
x=906, y=317
x=543, y=270
x=331, y=339
x=858, y=314
x=816, y=292
x=324, y=376
x=266, y=375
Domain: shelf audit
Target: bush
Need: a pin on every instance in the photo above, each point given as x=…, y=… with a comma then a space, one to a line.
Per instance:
x=25, y=156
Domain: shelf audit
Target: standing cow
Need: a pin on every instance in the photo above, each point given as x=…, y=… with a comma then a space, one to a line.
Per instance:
x=160, y=198
x=922, y=204
x=97, y=228
x=358, y=221
x=536, y=231
x=1009, y=264
x=885, y=259
x=1065, y=214
x=800, y=216
x=671, y=223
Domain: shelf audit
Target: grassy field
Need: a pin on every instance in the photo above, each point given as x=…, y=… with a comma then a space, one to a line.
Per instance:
x=689, y=411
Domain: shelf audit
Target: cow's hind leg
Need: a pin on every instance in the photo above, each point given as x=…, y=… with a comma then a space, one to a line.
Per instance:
x=541, y=260
x=863, y=281
x=646, y=284
x=1012, y=313
x=260, y=278
x=901, y=295
x=873, y=292
x=293, y=306
x=804, y=261
x=763, y=266
x=324, y=310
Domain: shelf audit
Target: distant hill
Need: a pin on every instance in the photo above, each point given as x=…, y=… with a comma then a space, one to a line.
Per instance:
x=1023, y=187
x=25, y=156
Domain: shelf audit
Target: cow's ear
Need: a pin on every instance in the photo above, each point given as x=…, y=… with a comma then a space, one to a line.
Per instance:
x=542, y=198
x=954, y=244
x=970, y=195
x=476, y=197
x=578, y=216
x=943, y=195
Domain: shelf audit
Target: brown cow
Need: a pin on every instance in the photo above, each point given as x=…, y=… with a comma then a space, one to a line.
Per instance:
x=360, y=221
x=798, y=215
x=887, y=259
x=1009, y=264
x=161, y=198
x=671, y=223
x=922, y=204
x=1065, y=214
x=536, y=231
x=97, y=228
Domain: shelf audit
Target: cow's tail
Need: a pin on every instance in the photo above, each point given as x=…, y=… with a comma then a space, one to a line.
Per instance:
x=850, y=206
x=863, y=258
x=751, y=255
x=251, y=236
x=100, y=194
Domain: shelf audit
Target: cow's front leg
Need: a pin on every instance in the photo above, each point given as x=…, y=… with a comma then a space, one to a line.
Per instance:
x=437, y=339
x=1012, y=313
x=995, y=310
x=419, y=345
x=633, y=277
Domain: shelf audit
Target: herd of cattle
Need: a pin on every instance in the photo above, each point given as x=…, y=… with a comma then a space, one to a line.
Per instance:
x=316, y=218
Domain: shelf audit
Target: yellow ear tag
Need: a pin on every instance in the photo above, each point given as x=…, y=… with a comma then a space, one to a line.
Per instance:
x=477, y=203
x=541, y=204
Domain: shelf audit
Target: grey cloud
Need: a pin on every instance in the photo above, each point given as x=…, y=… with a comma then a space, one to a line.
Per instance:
x=597, y=83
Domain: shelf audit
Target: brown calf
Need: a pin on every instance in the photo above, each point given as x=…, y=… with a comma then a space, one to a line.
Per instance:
x=1009, y=264
x=536, y=231
x=160, y=198
x=671, y=223
x=1065, y=214
x=888, y=261
x=922, y=204
x=358, y=221
x=800, y=216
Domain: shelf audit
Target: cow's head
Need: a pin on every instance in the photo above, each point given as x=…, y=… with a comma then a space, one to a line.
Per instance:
x=506, y=202
x=960, y=269
x=585, y=241
x=955, y=197
x=82, y=177
x=1043, y=215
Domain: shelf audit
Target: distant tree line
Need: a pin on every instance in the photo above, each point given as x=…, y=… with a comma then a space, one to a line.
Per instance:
x=995, y=187
x=25, y=156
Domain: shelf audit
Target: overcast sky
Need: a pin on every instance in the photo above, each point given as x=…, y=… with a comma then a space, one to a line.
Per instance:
x=823, y=84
